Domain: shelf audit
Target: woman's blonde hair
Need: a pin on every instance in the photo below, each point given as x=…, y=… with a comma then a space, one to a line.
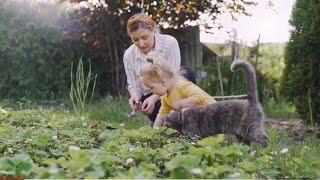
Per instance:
x=139, y=21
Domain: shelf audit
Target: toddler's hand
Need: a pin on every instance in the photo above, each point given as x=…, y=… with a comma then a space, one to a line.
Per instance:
x=158, y=122
x=148, y=104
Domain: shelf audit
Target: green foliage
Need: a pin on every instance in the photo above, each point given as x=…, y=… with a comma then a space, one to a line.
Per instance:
x=100, y=28
x=20, y=165
x=80, y=87
x=103, y=110
x=301, y=76
x=271, y=64
x=172, y=14
x=279, y=109
x=234, y=83
x=38, y=40
x=34, y=62
x=50, y=143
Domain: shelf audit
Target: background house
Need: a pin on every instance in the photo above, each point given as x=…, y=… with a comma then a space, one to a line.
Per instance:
x=195, y=53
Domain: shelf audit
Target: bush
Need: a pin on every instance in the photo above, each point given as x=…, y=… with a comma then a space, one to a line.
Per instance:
x=235, y=83
x=301, y=76
x=34, y=61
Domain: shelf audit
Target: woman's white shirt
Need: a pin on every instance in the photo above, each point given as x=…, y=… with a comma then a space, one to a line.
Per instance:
x=134, y=60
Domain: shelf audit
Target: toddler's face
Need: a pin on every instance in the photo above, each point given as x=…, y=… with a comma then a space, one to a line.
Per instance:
x=156, y=88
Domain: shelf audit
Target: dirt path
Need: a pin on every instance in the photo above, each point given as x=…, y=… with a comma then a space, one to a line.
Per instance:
x=294, y=127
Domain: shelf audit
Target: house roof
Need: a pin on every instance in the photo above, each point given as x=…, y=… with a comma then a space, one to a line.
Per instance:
x=219, y=49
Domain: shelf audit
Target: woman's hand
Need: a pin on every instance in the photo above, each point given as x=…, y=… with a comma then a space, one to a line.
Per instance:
x=134, y=101
x=148, y=104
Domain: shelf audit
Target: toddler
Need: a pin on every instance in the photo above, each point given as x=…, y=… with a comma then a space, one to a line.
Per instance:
x=176, y=92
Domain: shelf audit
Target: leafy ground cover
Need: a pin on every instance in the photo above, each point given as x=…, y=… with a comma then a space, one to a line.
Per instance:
x=55, y=143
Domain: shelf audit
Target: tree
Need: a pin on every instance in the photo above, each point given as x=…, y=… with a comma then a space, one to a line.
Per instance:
x=100, y=26
x=34, y=62
x=38, y=41
x=301, y=76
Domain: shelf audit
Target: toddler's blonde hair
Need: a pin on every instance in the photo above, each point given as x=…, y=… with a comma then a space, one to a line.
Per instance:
x=157, y=70
x=156, y=73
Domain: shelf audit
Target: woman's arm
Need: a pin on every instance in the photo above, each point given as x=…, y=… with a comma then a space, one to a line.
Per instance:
x=132, y=80
x=173, y=54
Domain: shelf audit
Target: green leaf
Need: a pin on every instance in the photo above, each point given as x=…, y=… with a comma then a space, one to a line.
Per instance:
x=185, y=161
x=97, y=173
x=179, y=174
x=248, y=166
x=217, y=171
x=212, y=141
x=201, y=152
x=78, y=162
x=24, y=168
x=234, y=151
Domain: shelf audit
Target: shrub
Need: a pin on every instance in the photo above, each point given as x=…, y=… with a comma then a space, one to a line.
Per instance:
x=234, y=83
x=301, y=76
x=34, y=61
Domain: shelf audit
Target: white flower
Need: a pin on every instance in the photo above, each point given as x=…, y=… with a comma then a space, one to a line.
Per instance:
x=10, y=150
x=28, y=140
x=274, y=152
x=53, y=170
x=284, y=150
x=84, y=124
x=252, y=153
x=234, y=175
x=131, y=149
x=73, y=148
x=128, y=162
x=196, y=171
x=54, y=137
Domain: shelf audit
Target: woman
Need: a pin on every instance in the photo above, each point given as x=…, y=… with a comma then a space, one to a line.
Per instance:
x=145, y=36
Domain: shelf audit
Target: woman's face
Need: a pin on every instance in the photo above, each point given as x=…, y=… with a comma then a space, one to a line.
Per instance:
x=143, y=39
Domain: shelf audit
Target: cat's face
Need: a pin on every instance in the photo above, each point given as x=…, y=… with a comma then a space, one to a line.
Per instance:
x=173, y=121
x=262, y=138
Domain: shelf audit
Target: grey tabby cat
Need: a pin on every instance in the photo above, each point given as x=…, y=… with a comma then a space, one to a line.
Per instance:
x=242, y=118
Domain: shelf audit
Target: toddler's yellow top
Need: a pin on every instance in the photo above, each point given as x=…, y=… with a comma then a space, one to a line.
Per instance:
x=183, y=89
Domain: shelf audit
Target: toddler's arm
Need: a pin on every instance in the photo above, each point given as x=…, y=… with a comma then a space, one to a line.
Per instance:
x=158, y=122
x=184, y=103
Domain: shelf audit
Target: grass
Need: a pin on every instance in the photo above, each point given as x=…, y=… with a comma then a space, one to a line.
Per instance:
x=113, y=111
x=279, y=109
x=57, y=143
x=292, y=158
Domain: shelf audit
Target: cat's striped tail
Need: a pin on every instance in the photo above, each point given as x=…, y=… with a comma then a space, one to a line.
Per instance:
x=251, y=79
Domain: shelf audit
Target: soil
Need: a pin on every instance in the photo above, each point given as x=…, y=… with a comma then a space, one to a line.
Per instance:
x=295, y=128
